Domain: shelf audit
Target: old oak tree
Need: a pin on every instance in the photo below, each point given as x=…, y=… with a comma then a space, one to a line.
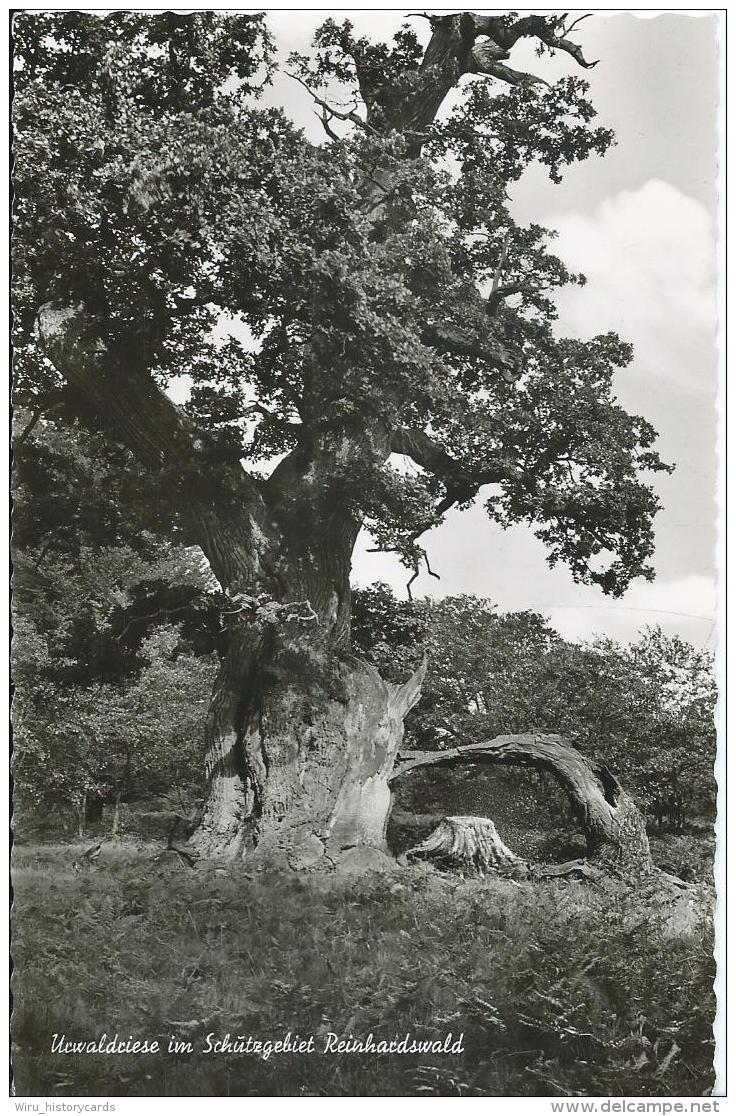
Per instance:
x=395, y=308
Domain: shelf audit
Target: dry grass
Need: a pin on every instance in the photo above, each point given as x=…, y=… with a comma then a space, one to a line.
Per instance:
x=557, y=991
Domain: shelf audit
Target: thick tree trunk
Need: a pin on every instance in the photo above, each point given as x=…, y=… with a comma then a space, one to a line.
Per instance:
x=614, y=828
x=299, y=762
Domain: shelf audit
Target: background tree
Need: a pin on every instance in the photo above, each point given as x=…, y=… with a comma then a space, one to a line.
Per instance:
x=78, y=745
x=116, y=630
x=396, y=308
x=646, y=708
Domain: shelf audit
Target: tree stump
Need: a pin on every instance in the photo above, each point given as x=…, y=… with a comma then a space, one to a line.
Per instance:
x=469, y=844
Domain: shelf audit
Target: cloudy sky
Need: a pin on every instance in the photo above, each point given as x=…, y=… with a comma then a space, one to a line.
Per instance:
x=641, y=224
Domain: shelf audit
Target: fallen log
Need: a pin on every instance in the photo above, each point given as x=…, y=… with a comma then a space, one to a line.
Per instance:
x=614, y=828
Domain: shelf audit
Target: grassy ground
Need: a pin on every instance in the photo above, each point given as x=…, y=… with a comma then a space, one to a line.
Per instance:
x=558, y=989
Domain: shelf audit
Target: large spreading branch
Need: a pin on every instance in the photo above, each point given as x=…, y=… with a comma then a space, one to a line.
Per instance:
x=552, y=31
x=126, y=399
x=461, y=483
x=220, y=503
x=490, y=350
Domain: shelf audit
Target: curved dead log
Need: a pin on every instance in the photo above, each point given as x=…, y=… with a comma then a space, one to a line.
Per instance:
x=469, y=844
x=614, y=828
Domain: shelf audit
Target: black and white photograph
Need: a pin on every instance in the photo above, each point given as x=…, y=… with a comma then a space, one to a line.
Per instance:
x=367, y=610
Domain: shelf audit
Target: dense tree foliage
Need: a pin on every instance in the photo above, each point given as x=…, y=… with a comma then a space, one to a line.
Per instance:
x=151, y=190
x=78, y=745
x=646, y=707
x=115, y=634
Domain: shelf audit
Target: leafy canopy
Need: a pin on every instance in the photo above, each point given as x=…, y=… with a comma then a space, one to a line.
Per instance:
x=382, y=276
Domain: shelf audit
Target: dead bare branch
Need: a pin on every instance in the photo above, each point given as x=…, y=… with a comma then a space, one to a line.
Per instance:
x=569, y=30
x=352, y=115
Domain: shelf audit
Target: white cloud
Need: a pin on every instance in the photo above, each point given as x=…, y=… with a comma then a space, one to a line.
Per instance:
x=649, y=256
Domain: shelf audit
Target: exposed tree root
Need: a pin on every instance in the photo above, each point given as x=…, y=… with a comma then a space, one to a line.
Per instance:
x=583, y=869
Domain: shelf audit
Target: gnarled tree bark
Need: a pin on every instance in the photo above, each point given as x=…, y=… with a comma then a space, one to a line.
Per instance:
x=300, y=736
x=307, y=777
